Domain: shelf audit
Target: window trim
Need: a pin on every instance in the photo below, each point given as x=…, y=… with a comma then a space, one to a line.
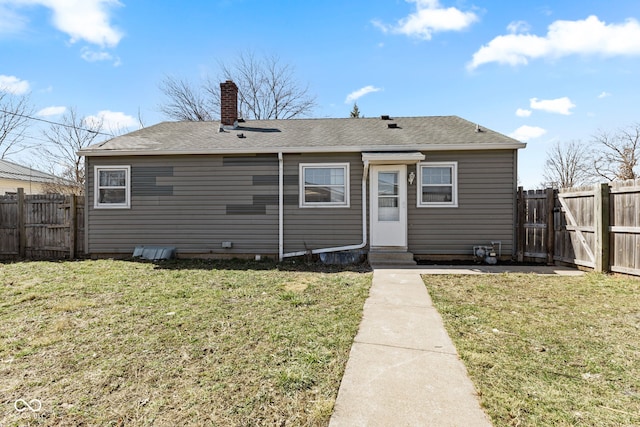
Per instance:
x=345, y=166
x=127, y=187
x=454, y=185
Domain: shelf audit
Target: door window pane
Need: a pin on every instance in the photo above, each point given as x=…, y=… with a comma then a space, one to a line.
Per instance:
x=388, y=183
x=388, y=191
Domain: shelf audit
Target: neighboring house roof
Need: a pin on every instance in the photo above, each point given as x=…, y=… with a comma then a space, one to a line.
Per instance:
x=307, y=135
x=14, y=171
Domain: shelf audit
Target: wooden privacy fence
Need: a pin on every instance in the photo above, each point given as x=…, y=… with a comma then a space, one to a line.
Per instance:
x=596, y=227
x=41, y=226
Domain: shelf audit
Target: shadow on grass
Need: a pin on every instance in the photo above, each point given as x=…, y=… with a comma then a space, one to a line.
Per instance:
x=299, y=265
x=235, y=264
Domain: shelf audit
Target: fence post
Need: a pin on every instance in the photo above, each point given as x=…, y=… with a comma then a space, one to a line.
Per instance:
x=22, y=229
x=601, y=251
x=520, y=233
x=550, y=225
x=73, y=225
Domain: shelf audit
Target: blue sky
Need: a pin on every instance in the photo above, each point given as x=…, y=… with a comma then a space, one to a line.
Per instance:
x=539, y=71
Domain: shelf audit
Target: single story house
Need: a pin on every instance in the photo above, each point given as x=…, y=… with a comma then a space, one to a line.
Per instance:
x=432, y=187
x=14, y=176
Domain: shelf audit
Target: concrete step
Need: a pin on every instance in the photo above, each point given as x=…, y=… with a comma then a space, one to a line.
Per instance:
x=391, y=258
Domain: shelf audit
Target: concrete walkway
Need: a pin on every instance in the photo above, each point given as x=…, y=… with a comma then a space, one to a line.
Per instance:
x=403, y=369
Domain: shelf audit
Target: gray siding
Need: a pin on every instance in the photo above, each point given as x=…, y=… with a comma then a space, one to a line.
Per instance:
x=485, y=212
x=315, y=228
x=191, y=202
x=197, y=202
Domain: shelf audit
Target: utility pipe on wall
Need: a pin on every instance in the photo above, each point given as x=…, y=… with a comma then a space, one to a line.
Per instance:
x=365, y=174
x=280, y=206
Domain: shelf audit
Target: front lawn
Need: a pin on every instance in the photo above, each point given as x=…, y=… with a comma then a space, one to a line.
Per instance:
x=547, y=350
x=117, y=343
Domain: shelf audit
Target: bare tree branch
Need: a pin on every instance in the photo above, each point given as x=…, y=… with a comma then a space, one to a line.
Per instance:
x=267, y=89
x=185, y=102
x=65, y=140
x=140, y=119
x=14, y=118
x=567, y=165
x=618, y=154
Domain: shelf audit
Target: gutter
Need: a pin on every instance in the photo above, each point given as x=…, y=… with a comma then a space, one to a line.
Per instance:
x=324, y=149
x=365, y=174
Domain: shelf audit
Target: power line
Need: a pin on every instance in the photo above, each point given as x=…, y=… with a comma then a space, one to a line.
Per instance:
x=34, y=175
x=55, y=123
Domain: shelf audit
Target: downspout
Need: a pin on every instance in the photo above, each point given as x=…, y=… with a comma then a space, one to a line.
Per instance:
x=365, y=174
x=87, y=192
x=280, y=206
x=514, y=233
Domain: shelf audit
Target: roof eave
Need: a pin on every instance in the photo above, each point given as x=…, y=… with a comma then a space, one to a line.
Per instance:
x=325, y=149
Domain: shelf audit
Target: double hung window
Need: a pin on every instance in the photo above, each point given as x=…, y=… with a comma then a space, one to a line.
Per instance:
x=324, y=185
x=438, y=184
x=112, y=186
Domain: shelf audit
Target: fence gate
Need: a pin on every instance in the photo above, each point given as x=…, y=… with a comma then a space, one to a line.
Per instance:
x=596, y=226
x=535, y=235
x=575, y=228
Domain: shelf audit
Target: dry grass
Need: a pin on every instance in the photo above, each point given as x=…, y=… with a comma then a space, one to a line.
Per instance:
x=542, y=350
x=119, y=343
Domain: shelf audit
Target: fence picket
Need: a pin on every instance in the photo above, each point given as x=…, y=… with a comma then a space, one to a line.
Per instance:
x=52, y=226
x=41, y=226
x=597, y=227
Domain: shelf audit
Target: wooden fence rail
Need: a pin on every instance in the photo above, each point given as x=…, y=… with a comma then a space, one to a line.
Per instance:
x=596, y=227
x=41, y=226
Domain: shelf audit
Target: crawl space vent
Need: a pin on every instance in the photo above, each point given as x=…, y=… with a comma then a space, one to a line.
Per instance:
x=154, y=253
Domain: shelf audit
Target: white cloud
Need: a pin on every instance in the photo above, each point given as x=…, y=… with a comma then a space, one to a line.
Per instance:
x=558, y=106
x=604, y=95
x=112, y=121
x=12, y=84
x=584, y=37
x=525, y=133
x=51, y=111
x=355, y=95
x=430, y=17
x=87, y=20
x=518, y=27
x=520, y=112
x=10, y=21
x=93, y=56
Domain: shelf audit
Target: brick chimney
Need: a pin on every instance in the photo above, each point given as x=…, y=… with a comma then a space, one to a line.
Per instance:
x=228, y=103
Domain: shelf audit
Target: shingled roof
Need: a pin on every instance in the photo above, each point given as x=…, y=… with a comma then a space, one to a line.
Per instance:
x=9, y=170
x=307, y=135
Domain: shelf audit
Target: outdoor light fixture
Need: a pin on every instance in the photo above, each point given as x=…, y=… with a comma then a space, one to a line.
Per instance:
x=412, y=177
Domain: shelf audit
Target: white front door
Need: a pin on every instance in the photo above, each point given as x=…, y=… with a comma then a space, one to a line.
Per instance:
x=388, y=184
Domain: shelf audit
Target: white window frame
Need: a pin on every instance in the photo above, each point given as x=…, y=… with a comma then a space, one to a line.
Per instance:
x=304, y=204
x=97, y=187
x=454, y=185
